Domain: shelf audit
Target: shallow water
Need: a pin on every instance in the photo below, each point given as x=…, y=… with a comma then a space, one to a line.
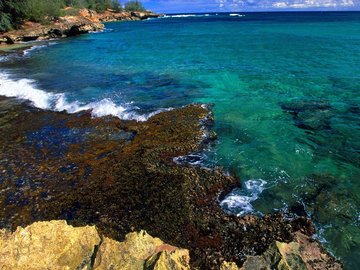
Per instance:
x=285, y=88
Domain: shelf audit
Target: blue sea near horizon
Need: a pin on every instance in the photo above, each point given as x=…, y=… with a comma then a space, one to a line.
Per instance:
x=285, y=89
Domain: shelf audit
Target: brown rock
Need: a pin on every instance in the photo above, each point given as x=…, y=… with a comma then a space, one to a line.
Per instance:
x=301, y=254
x=175, y=260
x=48, y=245
x=130, y=254
x=56, y=245
x=137, y=250
x=125, y=179
x=229, y=266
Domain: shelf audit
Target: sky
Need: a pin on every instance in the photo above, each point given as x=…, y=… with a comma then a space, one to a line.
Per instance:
x=188, y=6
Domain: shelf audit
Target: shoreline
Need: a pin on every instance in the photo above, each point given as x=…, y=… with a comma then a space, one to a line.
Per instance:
x=132, y=183
x=86, y=21
x=203, y=236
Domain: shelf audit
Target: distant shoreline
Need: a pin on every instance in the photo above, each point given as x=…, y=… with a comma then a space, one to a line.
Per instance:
x=86, y=21
x=259, y=12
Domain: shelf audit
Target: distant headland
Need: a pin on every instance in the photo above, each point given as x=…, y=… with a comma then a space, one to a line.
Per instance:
x=26, y=20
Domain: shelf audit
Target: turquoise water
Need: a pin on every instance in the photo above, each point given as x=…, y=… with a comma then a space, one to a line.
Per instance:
x=286, y=90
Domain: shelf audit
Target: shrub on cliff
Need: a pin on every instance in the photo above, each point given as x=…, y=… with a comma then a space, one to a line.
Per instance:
x=134, y=6
x=43, y=10
x=5, y=22
x=102, y=5
x=12, y=12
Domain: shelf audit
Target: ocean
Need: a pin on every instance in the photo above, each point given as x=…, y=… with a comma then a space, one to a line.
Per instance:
x=285, y=89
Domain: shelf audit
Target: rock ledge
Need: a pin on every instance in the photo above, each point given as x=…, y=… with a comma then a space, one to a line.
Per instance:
x=56, y=245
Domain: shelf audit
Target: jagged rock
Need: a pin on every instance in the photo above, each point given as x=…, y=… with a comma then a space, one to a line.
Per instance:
x=65, y=26
x=48, y=245
x=143, y=15
x=86, y=21
x=56, y=245
x=137, y=250
x=301, y=254
x=132, y=182
x=229, y=266
x=173, y=260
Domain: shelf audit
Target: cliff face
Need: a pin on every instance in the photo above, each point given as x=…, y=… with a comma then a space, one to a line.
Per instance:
x=85, y=22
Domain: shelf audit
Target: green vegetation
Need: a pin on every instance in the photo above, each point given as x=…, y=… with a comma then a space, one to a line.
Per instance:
x=134, y=6
x=13, y=12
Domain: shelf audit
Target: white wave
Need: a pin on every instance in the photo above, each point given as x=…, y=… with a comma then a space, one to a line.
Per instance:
x=239, y=200
x=37, y=47
x=186, y=15
x=105, y=30
x=26, y=89
x=236, y=15
x=4, y=58
x=195, y=159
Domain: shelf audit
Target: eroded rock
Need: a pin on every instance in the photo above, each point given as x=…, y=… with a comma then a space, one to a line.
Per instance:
x=84, y=22
x=129, y=183
x=137, y=250
x=301, y=254
x=56, y=245
x=48, y=245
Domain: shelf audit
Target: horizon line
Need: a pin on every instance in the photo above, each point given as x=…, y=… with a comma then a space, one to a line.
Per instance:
x=262, y=11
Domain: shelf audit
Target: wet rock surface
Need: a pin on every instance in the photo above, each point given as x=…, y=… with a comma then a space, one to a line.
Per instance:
x=121, y=176
x=301, y=253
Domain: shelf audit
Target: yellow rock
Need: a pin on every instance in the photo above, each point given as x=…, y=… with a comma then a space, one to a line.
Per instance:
x=175, y=260
x=48, y=245
x=228, y=266
x=54, y=245
x=137, y=250
x=290, y=256
x=130, y=254
x=301, y=254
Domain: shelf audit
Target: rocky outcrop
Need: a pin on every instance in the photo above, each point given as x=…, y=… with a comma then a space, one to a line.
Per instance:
x=121, y=176
x=112, y=16
x=86, y=21
x=64, y=27
x=56, y=245
x=48, y=245
x=139, y=250
x=303, y=253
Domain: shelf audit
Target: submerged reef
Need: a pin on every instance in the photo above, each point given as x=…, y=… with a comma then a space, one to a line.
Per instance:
x=122, y=177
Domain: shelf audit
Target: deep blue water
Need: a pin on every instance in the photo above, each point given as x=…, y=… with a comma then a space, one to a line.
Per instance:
x=286, y=90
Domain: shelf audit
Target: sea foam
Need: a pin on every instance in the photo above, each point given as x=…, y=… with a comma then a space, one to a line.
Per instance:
x=186, y=15
x=236, y=15
x=27, y=52
x=26, y=89
x=239, y=200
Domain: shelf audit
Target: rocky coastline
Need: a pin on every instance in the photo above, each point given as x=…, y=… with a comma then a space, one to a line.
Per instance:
x=57, y=245
x=86, y=21
x=121, y=177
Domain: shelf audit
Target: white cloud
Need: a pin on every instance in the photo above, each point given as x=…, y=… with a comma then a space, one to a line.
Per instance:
x=233, y=4
x=314, y=4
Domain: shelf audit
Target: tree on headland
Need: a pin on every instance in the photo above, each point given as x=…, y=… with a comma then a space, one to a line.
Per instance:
x=13, y=12
x=43, y=10
x=134, y=6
